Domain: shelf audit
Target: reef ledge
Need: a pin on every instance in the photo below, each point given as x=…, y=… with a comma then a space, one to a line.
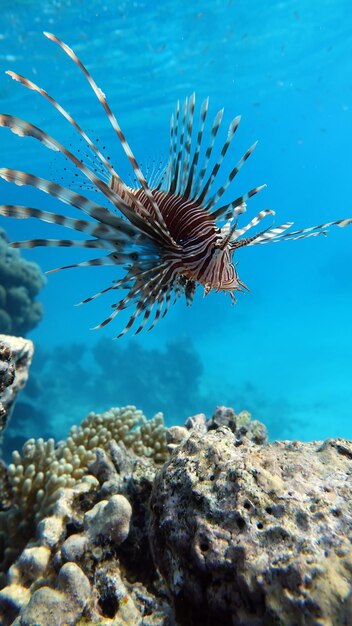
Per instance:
x=204, y=524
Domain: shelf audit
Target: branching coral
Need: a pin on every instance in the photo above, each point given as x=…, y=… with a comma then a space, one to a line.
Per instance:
x=74, y=571
x=36, y=476
x=20, y=281
x=38, y=473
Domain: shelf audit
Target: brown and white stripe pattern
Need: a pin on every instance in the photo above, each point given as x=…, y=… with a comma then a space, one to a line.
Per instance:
x=172, y=235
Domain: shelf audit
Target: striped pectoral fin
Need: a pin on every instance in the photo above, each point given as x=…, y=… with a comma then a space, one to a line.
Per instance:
x=146, y=301
x=123, y=283
x=238, y=232
x=160, y=296
x=96, y=295
x=104, y=260
x=99, y=230
x=115, y=125
x=25, y=129
x=148, y=310
x=30, y=85
x=160, y=313
x=152, y=293
x=276, y=234
x=129, y=229
x=55, y=190
x=145, y=305
x=61, y=243
x=119, y=306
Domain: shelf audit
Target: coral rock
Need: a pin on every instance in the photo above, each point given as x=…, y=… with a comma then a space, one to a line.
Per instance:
x=74, y=547
x=51, y=530
x=48, y=607
x=239, y=423
x=115, y=599
x=12, y=599
x=31, y=565
x=75, y=584
x=255, y=534
x=109, y=520
x=15, y=359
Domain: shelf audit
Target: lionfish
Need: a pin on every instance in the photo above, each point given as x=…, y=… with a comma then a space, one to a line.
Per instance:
x=168, y=236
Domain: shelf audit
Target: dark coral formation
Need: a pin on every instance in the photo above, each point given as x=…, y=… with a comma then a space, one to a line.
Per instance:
x=15, y=359
x=7, y=376
x=20, y=282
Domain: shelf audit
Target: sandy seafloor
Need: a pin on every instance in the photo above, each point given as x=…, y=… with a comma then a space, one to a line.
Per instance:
x=284, y=351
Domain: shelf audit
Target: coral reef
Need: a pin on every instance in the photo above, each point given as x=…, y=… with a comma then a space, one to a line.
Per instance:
x=201, y=524
x=36, y=476
x=90, y=559
x=20, y=282
x=255, y=534
x=15, y=359
x=169, y=380
x=157, y=380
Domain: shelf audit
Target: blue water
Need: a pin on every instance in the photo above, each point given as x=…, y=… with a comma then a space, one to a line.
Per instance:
x=284, y=351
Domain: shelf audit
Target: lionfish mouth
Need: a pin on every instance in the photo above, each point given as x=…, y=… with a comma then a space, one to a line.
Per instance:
x=168, y=236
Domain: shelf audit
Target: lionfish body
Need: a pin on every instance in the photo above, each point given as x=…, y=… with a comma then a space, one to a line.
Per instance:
x=169, y=236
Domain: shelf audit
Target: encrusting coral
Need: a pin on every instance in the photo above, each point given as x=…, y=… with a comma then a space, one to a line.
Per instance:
x=20, y=282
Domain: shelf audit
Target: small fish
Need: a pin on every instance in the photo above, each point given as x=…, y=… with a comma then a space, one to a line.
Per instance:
x=168, y=236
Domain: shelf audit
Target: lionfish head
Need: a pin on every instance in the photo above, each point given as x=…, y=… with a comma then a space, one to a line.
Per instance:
x=222, y=275
x=166, y=237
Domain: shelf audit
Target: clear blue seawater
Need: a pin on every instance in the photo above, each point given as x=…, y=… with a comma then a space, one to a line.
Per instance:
x=284, y=351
